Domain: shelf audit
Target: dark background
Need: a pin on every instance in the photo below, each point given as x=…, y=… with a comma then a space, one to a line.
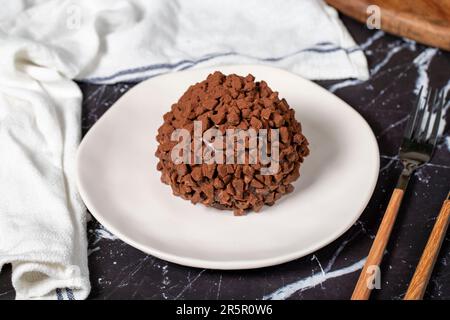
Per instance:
x=118, y=271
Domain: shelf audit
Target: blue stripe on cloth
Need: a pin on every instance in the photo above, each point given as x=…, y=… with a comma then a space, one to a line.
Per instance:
x=70, y=294
x=59, y=295
x=186, y=64
x=158, y=66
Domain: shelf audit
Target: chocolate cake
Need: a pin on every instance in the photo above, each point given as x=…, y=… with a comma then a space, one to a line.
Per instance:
x=211, y=173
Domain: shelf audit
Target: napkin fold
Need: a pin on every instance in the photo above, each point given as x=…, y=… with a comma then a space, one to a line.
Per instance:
x=44, y=45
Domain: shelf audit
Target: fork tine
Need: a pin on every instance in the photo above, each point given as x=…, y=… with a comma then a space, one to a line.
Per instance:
x=437, y=119
x=418, y=124
x=412, y=117
x=424, y=132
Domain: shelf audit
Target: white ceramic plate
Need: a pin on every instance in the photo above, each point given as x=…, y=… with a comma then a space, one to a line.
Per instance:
x=118, y=180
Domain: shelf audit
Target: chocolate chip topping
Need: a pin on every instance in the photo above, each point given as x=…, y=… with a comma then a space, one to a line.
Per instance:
x=231, y=102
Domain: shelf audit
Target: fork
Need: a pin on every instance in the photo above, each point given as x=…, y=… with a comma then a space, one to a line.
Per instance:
x=416, y=150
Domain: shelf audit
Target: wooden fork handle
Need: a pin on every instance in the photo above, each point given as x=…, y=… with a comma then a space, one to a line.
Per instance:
x=363, y=287
x=424, y=269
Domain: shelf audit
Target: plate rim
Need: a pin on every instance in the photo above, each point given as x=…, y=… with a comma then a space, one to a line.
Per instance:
x=235, y=264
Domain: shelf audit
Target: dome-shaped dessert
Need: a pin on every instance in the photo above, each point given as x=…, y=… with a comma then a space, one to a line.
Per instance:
x=231, y=143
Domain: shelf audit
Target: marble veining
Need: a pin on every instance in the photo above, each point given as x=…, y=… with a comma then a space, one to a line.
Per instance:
x=313, y=281
x=398, y=68
x=422, y=62
x=216, y=285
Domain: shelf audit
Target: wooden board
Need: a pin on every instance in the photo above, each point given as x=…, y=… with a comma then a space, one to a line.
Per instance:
x=426, y=21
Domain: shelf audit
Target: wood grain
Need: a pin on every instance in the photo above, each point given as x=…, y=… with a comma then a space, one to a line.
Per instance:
x=424, y=269
x=362, y=290
x=426, y=21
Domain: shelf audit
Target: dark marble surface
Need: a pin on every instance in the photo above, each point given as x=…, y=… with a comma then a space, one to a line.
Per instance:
x=398, y=67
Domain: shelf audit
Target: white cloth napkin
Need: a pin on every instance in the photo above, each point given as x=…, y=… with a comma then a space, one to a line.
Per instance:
x=46, y=44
